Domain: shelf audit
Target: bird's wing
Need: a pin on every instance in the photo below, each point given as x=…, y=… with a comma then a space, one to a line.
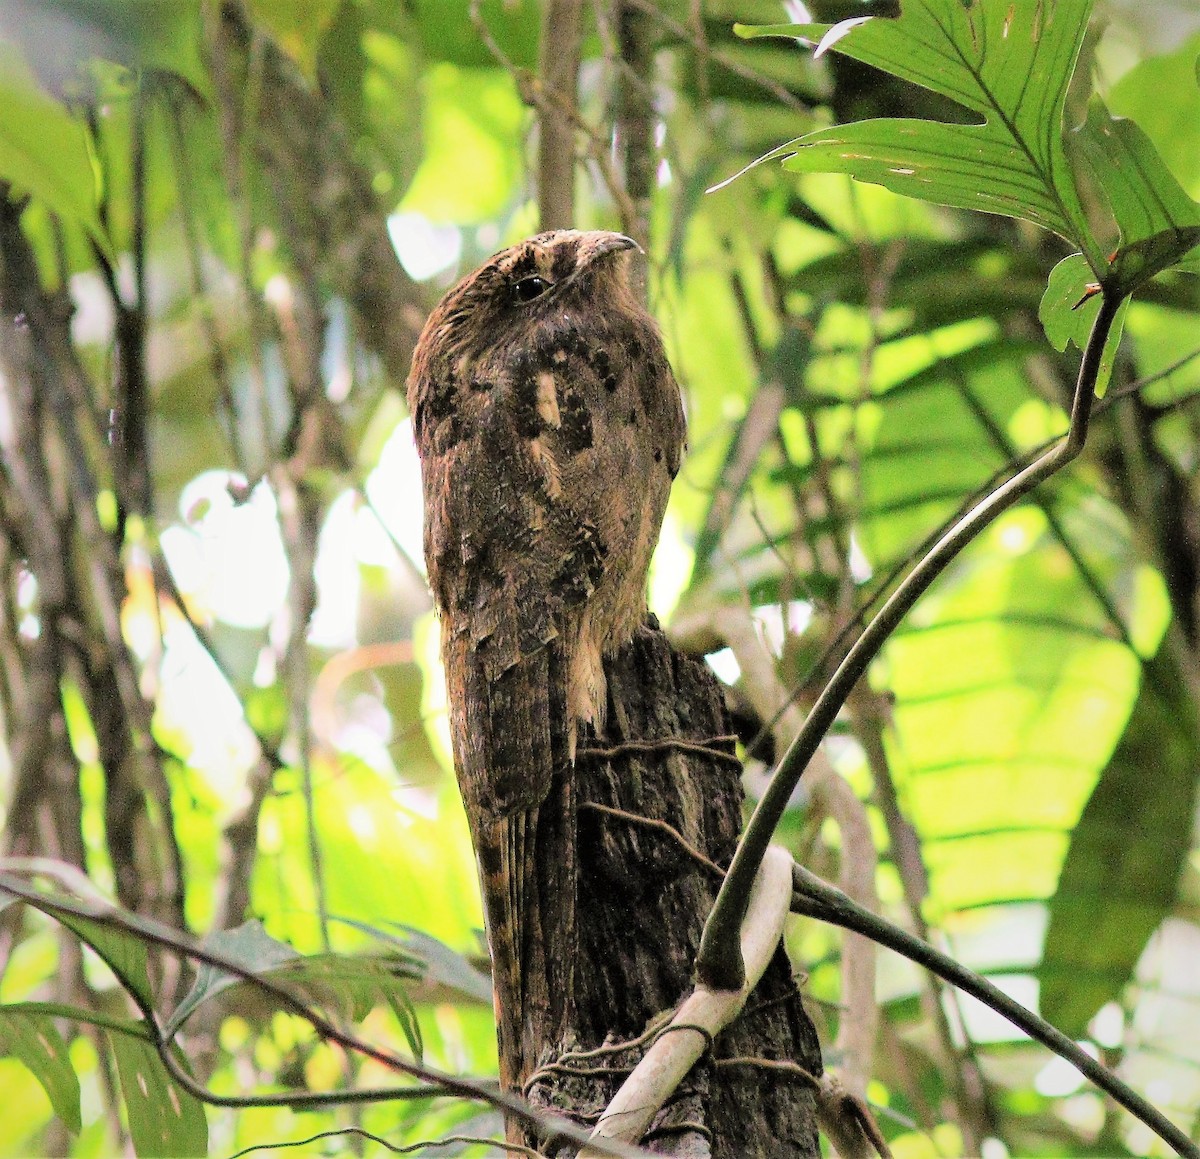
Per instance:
x=509, y=558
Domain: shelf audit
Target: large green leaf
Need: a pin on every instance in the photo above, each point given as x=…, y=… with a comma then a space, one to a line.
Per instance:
x=1011, y=650
x=1120, y=878
x=1009, y=63
x=30, y=1035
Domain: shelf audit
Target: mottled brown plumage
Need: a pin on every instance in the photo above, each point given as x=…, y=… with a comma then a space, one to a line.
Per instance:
x=549, y=427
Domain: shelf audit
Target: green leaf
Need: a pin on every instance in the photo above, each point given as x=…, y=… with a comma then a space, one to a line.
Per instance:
x=30, y=1036
x=1159, y=222
x=90, y=1017
x=164, y=1119
x=1010, y=63
x=122, y=950
x=249, y=946
x=1068, y=311
x=43, y=149
x=1122, y=871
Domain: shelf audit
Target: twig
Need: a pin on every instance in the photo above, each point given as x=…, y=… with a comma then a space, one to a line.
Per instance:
x=662, y=826
x=516, y=1148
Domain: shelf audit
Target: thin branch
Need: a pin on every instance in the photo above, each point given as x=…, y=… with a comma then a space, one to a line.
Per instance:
x=667, y=744
x=662, y=827
x=449, y=1140
x=532, y=94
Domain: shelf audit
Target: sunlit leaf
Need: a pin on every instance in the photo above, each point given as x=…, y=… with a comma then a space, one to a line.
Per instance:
x=31, y=1036
x=1009, y=63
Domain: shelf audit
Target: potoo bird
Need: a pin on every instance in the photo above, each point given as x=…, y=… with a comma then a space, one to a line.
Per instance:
x=549, y=427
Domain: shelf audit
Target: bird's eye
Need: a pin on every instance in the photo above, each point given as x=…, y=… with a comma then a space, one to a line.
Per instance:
x=529, y=288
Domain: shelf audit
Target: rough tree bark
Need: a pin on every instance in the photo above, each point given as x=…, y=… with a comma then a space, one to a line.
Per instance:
x=619, y=910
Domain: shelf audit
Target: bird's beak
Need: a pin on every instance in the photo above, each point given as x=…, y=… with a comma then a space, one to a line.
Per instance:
x=607, y=243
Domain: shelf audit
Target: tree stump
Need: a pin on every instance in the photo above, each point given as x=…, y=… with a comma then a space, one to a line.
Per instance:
x=617, y=915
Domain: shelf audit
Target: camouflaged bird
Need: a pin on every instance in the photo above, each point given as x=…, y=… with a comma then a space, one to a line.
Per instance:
x=549, y=427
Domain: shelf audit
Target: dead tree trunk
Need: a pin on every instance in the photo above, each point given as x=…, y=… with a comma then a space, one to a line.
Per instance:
x=619, y=907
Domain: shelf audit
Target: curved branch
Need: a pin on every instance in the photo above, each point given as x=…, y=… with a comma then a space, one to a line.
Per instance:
x=718, y=962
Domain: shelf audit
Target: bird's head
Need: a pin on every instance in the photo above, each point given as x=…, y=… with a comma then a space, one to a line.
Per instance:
x=527, y=284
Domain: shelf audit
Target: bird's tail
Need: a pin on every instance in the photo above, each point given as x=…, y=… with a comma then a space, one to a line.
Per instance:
x=509, y=734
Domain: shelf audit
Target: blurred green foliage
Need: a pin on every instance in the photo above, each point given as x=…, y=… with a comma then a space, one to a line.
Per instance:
x=856, y=366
